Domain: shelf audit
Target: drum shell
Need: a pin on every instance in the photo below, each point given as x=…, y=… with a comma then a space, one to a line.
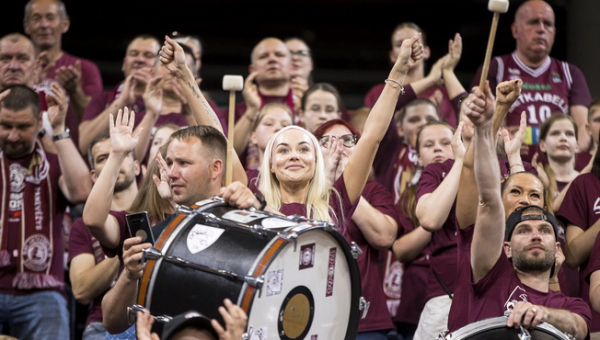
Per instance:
x=169, y=289
x=495, y=328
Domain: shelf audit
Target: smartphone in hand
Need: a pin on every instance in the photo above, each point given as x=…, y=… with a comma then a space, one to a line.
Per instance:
x=139, y=225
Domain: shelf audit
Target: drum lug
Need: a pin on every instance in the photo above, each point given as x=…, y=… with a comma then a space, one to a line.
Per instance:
x=524, y=335
x=363, y=305
x=291, y=236
x=255, y=281
x=184, y=210
x=355, y=250
x=150, y=254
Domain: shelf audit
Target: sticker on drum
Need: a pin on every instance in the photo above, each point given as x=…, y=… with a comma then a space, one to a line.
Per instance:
x=243, y=216
x=275, y=223
x=495, y=328
x=274, y=282
x=201, y=237
x=307, y=256
x=330, y=272
x=259, y=333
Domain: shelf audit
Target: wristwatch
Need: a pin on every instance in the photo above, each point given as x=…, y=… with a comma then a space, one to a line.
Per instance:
x=63, y=135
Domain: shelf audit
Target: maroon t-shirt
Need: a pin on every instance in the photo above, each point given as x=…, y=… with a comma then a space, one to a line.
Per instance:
x=552, y=87
x=446, y=108
x=81, y=241
x=581, y=208
x=498, y=291
x=59, y=204
x=594, y=263
x=378, y=317
x=395, y=162
x=342, y=208
x=443, y=242
x=91, y=78
x=414, y=281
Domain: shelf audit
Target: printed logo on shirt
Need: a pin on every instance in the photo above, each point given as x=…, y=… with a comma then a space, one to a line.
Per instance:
x=597, y=206
x=556, y=78
x=518, y=294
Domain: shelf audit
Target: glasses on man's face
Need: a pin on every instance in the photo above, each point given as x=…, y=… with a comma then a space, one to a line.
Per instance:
x=300, y=53
x=348, y=140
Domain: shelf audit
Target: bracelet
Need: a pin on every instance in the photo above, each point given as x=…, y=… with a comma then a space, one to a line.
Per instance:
x=397, y=83
x=263, y=202
x=65, y=134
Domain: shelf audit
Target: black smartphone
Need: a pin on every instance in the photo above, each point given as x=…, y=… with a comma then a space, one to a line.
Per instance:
x=139, y=225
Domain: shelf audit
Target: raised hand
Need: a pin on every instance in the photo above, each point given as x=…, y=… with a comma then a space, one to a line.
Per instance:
x=454, y=52
x=153, y=96
x=57, y=106
x=479, y=106
x=69, y=76
x=250, y=93
x=171, y=55
x=132, y=257
x=162, y=182
x=507, y=92
x=411, y=51
x=235, y=320
x=458, y=147
x=512, y=146
x=122, y=138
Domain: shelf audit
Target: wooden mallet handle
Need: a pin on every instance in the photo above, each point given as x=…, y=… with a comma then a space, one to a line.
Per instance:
x=231, y=84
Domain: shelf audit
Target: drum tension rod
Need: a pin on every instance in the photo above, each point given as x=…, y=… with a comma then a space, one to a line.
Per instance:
x=155, y=254
x=524, y=334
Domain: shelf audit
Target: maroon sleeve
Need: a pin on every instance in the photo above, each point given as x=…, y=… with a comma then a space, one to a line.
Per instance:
x=90, y=77
x=381, y=199
x=123, y=232
x=580, y=92
x=594, y=263
x=80, y=241
x=96, y=105
x=573, y=210
x=431, y=177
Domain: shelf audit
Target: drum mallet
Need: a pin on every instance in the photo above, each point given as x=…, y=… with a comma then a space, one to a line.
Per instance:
x=496, y=6
x=231, y=84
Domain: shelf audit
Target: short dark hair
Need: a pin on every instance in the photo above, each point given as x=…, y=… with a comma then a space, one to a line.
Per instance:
x=99, y=138
x=22, y=97
x=212, y=139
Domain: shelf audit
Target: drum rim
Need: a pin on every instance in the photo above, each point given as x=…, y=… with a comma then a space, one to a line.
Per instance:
x=354, y=317
x=500, y=322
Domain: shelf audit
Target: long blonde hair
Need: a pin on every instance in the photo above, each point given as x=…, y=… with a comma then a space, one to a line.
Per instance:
x=317, y=199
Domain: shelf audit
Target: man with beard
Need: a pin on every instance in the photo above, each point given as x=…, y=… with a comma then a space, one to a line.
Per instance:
x=91, y=272
x=510, y=266
x=36, y=186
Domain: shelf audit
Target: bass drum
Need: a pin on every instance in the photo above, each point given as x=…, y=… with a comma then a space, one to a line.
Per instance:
x=295, y=278
x=496, y=329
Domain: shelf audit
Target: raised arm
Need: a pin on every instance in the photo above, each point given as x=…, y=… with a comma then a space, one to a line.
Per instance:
x=75, y=181
x=96, y=217
x=173, y=58
x=466, y=204
x=451, y=82
x=488, y=234
x=361, y=161
x=243, y=127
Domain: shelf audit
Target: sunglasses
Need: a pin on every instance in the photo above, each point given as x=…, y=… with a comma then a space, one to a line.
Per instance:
x=348, y=140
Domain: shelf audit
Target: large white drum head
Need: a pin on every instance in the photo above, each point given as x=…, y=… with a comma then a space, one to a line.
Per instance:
x=307, y=293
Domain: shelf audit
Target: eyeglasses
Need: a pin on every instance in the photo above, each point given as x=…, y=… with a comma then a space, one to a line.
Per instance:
x=348, y=140
x=300, y=53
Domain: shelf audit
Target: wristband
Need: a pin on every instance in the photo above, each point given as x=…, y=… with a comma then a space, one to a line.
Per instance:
x=63, y=135
x=262, y=201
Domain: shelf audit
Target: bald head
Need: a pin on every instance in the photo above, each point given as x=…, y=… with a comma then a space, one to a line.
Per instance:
x=534, y=30
x=272, y=60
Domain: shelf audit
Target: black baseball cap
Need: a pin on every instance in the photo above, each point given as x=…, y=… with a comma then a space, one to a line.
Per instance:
x=189, y=318
x=525, y=214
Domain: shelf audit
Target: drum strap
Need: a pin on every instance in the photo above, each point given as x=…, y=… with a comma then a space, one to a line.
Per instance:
x=439, y=279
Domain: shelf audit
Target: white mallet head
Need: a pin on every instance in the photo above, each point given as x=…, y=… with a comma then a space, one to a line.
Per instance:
x=498, y=6
x=233, y=83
